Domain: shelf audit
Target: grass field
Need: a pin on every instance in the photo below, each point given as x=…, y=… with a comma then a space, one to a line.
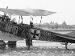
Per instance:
x=39, y=48
x=37, y=52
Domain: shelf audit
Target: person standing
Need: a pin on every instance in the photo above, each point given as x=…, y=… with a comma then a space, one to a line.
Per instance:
x=28, y=36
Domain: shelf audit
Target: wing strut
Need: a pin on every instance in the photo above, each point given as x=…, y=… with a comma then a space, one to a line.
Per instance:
x=22, y=19
x=41, y=19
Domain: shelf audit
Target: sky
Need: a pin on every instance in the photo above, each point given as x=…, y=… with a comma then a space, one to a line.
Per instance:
x=65, y=10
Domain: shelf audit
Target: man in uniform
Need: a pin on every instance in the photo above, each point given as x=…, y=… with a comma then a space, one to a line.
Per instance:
x=28, y=37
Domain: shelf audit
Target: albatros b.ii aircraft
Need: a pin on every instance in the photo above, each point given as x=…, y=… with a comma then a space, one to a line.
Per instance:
x=29, y=32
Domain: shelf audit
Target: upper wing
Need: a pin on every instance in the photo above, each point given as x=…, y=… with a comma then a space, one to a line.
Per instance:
x=15, y=11
x=39, y=12
x=21, y=12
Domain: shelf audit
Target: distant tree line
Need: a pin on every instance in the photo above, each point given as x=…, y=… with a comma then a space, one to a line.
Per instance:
x=53, y=25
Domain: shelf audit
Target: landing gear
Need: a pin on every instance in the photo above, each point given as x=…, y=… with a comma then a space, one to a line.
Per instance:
x=66, y=45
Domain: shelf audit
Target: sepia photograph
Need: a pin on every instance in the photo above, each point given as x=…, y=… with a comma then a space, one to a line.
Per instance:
x=37, y=28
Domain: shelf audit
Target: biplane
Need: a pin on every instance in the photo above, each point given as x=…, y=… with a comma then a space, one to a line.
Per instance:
x=30, y=32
